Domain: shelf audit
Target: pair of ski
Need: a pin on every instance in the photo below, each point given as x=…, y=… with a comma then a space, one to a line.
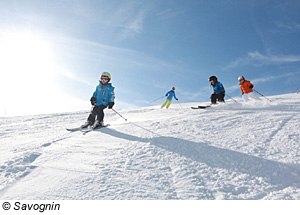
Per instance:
x=85, y=130
x=201, y=107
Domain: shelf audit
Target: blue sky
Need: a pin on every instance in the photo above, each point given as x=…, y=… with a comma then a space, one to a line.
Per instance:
x=53, y=52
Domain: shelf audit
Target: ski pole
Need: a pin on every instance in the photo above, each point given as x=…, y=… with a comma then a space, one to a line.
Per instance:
x=157, y=99
x=119, y=114
x=92, y=108
x=179, y=103
x=231, y=98
x=261, y=94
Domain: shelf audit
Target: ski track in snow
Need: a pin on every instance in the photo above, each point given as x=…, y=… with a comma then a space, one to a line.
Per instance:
x=229, y=151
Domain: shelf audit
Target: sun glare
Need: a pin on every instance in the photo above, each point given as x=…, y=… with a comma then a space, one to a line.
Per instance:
x=26, y=67
x=25, y=56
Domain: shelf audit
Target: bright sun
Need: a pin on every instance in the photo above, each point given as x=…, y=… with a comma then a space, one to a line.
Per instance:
x=25, y=57
x=26, y=67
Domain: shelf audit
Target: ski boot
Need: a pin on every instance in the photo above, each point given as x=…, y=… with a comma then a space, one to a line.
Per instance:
x=85, y=125
x=97, y=124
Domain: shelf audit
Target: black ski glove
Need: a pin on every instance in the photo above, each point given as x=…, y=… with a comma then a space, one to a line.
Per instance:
x=251, y=86
x=110, y=105
x=166, y=94
x=176, y=99
x=93, y=100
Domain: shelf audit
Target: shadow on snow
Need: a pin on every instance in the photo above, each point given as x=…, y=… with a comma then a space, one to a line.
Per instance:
x=276, y=173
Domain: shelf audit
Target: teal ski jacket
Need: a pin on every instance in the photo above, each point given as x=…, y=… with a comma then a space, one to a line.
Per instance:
x=218, y=88
x=104, y=94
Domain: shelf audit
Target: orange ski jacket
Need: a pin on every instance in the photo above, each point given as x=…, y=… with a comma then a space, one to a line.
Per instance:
x=245, y=87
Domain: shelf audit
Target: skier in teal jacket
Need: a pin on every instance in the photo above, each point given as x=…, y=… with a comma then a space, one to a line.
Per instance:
x=170, y=95
x=102, y=98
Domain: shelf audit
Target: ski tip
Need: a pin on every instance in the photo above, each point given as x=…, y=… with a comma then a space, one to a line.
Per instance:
x=73, y=129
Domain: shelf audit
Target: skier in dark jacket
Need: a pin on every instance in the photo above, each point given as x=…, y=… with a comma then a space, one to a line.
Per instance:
x=102, y=98
x=219, y=90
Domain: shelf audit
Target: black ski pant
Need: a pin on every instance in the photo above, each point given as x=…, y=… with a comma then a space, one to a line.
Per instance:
x=214, y=97
x=98, y=113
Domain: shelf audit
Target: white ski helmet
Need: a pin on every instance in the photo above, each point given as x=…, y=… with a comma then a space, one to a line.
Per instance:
x=106, y=74
x=240, y=78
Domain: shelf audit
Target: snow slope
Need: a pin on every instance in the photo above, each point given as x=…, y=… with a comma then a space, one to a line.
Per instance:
x=229, y=151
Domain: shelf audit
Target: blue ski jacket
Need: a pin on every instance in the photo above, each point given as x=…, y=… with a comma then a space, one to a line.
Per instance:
x=104, y=94
x=170, y=95
x=218, y=88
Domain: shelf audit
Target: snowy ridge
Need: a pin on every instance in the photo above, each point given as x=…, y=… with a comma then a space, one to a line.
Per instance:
x=229, y=151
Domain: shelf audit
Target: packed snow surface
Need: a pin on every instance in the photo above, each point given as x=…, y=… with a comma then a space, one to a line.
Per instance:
x=229, y=151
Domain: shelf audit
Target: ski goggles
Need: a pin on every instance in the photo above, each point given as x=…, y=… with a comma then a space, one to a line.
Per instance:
x=104, y=78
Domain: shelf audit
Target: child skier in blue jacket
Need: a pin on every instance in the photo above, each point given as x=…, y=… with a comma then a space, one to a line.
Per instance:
x=170, y=95
x=219, y=90
x=103, y=97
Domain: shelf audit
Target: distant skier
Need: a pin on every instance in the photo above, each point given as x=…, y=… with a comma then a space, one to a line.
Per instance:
x=170, y=95
x=219, y=90
x=247, y=89
x=102, y=98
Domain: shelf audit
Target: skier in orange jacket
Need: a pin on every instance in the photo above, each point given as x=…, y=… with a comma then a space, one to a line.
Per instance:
x=247, y=89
